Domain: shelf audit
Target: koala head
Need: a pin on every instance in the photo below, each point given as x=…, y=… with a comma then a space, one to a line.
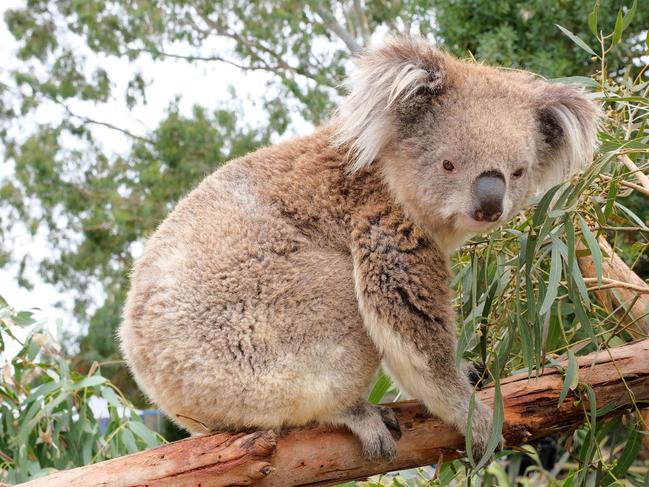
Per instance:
x=461, y=145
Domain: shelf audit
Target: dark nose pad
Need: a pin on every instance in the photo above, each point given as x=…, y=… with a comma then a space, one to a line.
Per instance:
x=488, y=194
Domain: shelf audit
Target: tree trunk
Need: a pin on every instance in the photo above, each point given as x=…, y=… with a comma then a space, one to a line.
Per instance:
x=326, y=456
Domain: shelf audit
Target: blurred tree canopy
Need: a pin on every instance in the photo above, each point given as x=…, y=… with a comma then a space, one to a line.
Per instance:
x=97, y=205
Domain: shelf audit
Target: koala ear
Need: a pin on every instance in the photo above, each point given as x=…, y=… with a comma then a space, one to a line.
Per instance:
x=386, y=78
x=568, y=122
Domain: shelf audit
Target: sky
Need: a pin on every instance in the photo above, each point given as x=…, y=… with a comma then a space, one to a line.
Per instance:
x=205, y=84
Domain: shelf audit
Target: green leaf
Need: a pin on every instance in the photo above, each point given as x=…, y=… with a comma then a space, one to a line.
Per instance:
x=581, y=315
x=617, y=32
x=578, y=279
x=629, y=454
x=498, y=471
x=381, y=386
x=631, y=215
x=570, y=242
x=540, y=213
x=144, y=433
x=610, y=198
x=593, y=246
x=496, y=428
x=571, y=379
x=43, y=390
x=577, y=40
x=592, y=402
x=24, y=318
x=628, y=18
x=129, y=441
x=553, y=282
x=92, y=381
x=592, y=19
x=109, y=394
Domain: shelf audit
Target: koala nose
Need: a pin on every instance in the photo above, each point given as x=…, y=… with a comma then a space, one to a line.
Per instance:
x=488, y=195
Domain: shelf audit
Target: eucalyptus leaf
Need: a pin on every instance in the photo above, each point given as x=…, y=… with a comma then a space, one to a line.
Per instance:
x=571, y=379
x=577, y=40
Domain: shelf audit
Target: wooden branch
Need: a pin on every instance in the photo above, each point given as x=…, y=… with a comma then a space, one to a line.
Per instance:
x=326, y=456
x=628, y=184
x=608, y=283
x=640, y=176
x=632, y=287
x=330, y=21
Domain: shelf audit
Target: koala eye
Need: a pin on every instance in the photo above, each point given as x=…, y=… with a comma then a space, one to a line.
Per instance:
x=518, y=172
x=448, y=165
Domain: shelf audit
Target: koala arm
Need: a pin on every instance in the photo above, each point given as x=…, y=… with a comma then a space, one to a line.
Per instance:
x=401, y=281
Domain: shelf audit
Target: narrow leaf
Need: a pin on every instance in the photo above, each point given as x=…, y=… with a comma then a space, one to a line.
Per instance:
x=577, y=40
x=553, y=282
x=617, y=32
x=572, y=377
x=496, y=428
x=593, y=246
x=629, y=454
x=381, y=386
x=129, y=441
x=592, y=19
x=92, y=381
x=143, y=432
x=628, y=18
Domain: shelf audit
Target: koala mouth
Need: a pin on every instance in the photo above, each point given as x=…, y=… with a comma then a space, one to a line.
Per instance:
x=469, y=224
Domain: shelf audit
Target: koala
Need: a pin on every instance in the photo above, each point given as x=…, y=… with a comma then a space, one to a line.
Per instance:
x=274, y=290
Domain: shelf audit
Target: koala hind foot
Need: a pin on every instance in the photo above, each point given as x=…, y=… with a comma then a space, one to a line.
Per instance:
x=375, y=426
x=481, y=430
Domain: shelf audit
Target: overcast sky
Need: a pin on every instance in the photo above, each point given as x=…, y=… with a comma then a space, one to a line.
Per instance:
x=205, y=84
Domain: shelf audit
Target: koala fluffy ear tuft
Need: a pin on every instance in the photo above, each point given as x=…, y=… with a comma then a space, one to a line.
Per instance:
x=386, y=78
x=568, y=122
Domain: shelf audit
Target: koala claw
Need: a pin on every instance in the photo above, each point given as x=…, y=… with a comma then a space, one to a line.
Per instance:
x=391, y=422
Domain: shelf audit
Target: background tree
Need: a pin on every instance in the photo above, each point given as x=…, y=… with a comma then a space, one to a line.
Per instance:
x=523, y=34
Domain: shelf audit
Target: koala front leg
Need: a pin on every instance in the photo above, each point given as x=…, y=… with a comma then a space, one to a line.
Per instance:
x=402, y=288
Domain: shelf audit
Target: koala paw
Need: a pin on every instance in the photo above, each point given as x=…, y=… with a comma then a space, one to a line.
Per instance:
x=481, y=430
x=381, y=447
x=376, y=427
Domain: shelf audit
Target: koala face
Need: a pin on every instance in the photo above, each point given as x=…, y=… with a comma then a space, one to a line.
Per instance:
x=462, y=146
x=468, y=162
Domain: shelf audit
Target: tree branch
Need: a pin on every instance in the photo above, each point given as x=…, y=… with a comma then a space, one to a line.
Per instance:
x=331, y=22
x=642, y=177
x=326, y=456
x=632, y=294
x=359, y=12
x=628, y=184
x=92, y=121
x=191, y=58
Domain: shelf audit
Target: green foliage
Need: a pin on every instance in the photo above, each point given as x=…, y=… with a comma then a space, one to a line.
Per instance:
x=46, y=420
x=521, y=34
